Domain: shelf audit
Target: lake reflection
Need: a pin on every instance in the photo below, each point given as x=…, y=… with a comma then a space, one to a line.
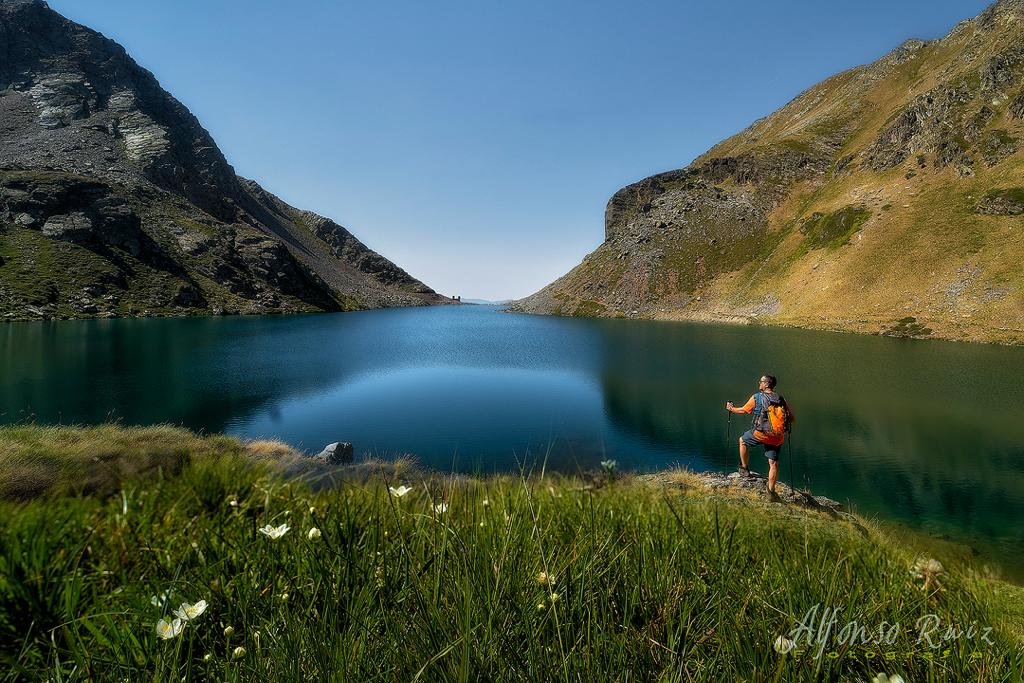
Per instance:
x=921, y=432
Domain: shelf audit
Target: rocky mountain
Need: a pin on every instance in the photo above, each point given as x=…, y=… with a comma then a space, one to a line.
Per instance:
x=887, y=199
x=115, y=201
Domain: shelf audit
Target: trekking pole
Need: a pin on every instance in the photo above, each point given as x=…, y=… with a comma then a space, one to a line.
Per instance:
x=792, y=481
x=728, y=438
x=807, y=477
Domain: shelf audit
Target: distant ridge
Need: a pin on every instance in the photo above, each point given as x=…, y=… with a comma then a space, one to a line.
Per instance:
x=487, y=302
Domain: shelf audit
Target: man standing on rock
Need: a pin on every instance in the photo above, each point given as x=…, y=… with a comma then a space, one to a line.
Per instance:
x=772, y=419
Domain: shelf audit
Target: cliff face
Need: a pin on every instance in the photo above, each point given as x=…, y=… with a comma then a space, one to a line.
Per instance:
x=115, y=201
x=885, y=199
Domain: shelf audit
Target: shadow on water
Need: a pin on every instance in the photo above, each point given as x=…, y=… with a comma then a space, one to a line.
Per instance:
x=199, y=372
x=926, y=433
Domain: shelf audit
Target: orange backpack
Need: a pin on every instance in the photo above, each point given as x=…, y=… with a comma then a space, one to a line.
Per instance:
x=771, y=417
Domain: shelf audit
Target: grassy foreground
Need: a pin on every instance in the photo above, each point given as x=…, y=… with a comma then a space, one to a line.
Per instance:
x=109, y=530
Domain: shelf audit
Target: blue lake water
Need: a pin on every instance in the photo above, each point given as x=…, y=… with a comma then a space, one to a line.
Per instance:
x=926, y=433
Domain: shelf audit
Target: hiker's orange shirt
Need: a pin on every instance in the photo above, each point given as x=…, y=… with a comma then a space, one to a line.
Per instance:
x=748, y=407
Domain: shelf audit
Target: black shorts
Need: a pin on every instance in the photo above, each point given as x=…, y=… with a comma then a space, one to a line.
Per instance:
x=771, y=452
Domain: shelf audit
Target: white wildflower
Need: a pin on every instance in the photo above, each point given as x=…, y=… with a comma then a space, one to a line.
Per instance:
x=784, y=645
x=400, y=491
x=441, y=507
x=187, y=612
x=314, y=534
x=229, y=631
x=167, y=630
x=882, y=678
x=238, y=653
x=546, y=579
x=274, y=532
x=927, y=569
x=486, y=502
x=924, y=566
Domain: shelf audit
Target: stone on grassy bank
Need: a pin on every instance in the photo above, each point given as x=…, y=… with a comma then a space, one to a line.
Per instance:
x=337, y=453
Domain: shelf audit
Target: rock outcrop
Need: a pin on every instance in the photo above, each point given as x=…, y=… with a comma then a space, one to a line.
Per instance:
x=108, y=184
x=337, y=453
x=852, y=207
x=1002, y=202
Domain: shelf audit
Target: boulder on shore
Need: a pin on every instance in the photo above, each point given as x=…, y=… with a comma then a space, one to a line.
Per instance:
x=337, y=453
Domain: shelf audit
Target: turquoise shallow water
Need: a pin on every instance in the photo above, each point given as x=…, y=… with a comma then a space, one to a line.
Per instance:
x=925, y=433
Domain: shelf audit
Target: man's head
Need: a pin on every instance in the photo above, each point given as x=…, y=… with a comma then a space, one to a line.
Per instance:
x=766, y=382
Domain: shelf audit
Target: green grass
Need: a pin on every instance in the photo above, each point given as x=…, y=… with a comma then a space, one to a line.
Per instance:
x=1013, y=195
x=763, y=266
x=797, y=145
x=196, y=226
x=650, y=581
x=908, y=327
x=36, y=460
x=833, y=230
x=41, y=270
x=589, y=309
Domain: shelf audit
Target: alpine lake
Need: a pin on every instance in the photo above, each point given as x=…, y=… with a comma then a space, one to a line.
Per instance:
x=925, y=434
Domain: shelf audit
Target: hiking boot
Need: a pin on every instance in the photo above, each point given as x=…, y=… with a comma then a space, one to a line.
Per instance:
x=773, y=496
x=744, y=471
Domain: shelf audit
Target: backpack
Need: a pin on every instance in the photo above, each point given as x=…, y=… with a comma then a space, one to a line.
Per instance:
x=771, y=416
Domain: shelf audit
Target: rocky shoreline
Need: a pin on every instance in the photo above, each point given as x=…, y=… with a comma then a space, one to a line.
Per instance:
x=755, y=483
x=341, y=455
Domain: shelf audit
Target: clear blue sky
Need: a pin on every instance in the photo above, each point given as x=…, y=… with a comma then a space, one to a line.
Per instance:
x=475, y=143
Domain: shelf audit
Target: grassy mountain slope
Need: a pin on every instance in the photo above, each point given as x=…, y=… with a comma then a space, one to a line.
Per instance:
x=886, y=199
x=115, y=201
